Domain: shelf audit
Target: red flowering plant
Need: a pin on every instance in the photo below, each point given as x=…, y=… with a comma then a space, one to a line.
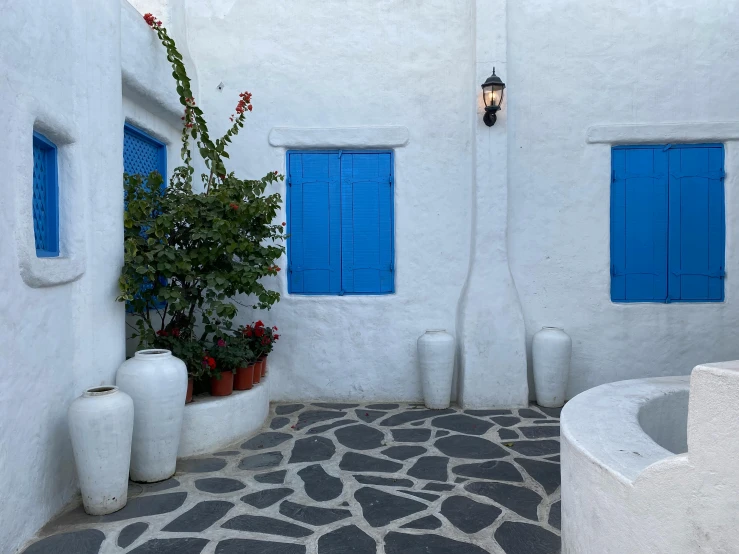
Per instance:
x=229, y=353
x=184, y=345
x=261, y=338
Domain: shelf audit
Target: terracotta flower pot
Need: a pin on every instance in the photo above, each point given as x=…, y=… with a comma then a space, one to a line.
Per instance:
x=223, y=386
x=188, y=398
x=263, y=361
x=244, y=377
x=257, y=372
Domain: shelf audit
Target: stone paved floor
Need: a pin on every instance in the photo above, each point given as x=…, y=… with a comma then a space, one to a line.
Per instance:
x=343, y=478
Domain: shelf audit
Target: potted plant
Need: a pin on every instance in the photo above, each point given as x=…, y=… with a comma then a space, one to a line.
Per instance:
x=228, y=356
x=244, y=376
x=267, y=344
x=261, y=341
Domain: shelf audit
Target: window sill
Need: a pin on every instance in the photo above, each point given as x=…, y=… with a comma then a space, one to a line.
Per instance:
x=339, y=137
x=718, y=131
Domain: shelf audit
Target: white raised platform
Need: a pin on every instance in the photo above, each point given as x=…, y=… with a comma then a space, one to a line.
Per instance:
x=213, y=422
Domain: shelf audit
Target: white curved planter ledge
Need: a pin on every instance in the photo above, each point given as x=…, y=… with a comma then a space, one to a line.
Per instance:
x=717, y=131
x=339, y=137
x=213, y=422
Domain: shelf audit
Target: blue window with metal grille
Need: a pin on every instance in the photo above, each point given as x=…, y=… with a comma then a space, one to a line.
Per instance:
x=143, y=154
x=45, y=197
x=340, y=222
x=667, y=223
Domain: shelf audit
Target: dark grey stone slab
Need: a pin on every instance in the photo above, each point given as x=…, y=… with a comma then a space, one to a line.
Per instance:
x=475, y=448
x=198, y=518
x=507, y=434
x=555, y=515
x=309, y=417
x=438, y=487
x=266, y=440
x=462, y=423
x=525, y=538
x=506, y=421
x=530, y=414
x=200, y=465
x=312, y=449
x=319, y=485
x=288, y=408
x=540, y=431
x=322, y=428
x=417, y=423
x=380, y=508
x=383, y=481
x=460, y=480
x=521, y=500
x=267, y=497
x=424, y=495
x=467, y=515
x=279, y=422
x=403, y=452
x=383, y=406
x=347, y=540
x=428, y=522
x=368, y=415
x=266, y=525
x=130, y=533
x=441, y=434
x=546, y=473
x=353, y=461
x=218, y=485
x=143, y=506
x=401, y=543
x=495, y=470
x=360, y=437
x=412, y=415
x=241, y=546
x=535, y=447
x=551, y=412
x=186, y=545
x=87, y=541
x=160, y=486
x=311, y=514
x=430, y=468
x=271, y=478
x=261, y=461
x=334, y=405
x=545, y=422
x=553, y=458
x=227, y=453
x=486, y=413
x=411, y=435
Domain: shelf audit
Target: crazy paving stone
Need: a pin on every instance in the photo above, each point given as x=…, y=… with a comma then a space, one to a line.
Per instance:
x=227, y=453
x=403, y=452
x=363, y=463
x=553, y=458
x=462, y=424
x=200, y=465
x=160, y=486
x=423, y=495
x=143, y=506
x=130, y=533
x=310, y=417
x=288, y=408
x=383, y=481
x=400, y=543
x=360, y=437
x=240, y=546
x=505, y=421
x=412, y=415
x=507, y=434
x=524, y=538
x=555, y=515
x=475, y=448
x=261, y=461
x=87, y=541
x=492, y=469
x=540, y=432
x=368, y=415
x=312, y=449
x=347, y=540
x=545, y=421
x=521, y=500
x=266, y=525
x=188, y=545
x=430, y=468
x=535, y=447
x=411, y=435
x=218, y=485
x=267, y=497
x=311, y=514
x=546, y=473
x=530, y=414
x=279, y=422
x=272, y=478
x=551, y=412
x=380, y=508
x=199, y=517
x=321, y=428
x=417, y=423
x=428, y=522
x=467, y=515
x=441, y=434
x=460, y=480
x=383, y=406
x=265, y=441
x=485, y=413
x=438, y=487
x=335, y=406
x=319, y=485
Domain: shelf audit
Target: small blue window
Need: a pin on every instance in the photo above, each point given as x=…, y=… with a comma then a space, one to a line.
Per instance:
x=340, y=222
x=143, y=154
x=45, y=197
x=667, y=223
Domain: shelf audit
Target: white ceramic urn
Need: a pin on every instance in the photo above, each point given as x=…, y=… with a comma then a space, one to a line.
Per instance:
x=551, y=353
x=436, y=358
x=100, y=425
x=157, y=383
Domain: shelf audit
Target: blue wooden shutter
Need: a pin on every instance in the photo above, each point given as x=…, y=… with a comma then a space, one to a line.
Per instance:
x=143, y=154
x=639, y=223
x=367, y=223
x=314, y=223
x=697, y=232
x=45, y=197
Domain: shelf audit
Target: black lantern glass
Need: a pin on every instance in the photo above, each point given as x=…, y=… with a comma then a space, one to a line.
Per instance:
x=492, y=95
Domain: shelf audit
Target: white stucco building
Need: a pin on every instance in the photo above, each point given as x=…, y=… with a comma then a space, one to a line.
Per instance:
x=497, y=231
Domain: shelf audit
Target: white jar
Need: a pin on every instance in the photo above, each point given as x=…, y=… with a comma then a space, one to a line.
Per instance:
x=157, y=383
x=436, y=358
x=100, y=425
x=551, y=354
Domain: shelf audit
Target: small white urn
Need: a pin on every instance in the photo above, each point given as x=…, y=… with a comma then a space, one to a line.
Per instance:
x=157, y=383
x=551, y=353
x=101, y=425
x=436, y=358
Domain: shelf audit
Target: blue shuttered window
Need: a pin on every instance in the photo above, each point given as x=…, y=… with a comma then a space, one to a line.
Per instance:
x=667, y=223
x=143, y=154
x=340, y=222
x=45, y=197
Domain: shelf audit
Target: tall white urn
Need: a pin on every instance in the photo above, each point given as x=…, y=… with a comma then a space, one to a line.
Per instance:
x=100, y=425
x=157, y=383
x=551, y=352
x=436, y=358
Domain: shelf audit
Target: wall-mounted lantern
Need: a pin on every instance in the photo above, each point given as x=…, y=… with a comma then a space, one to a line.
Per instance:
x=492, y=95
